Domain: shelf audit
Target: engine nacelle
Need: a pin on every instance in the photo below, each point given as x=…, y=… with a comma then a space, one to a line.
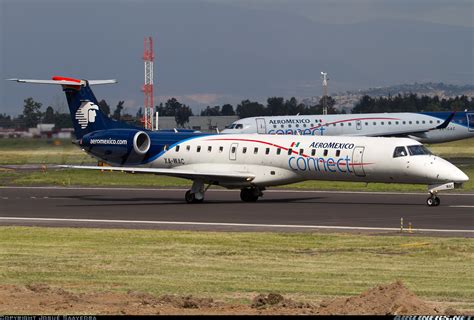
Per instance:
x=141, y=142
x=118, y=146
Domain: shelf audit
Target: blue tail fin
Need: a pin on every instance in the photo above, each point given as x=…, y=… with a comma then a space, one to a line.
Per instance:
x=84, y=108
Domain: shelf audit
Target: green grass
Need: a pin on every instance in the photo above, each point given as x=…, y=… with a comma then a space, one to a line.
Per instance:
x=235, y=265
x=455, y=149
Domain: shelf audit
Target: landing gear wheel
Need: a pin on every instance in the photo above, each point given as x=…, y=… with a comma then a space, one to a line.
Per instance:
x=433, y=201
x=249, y=195
x=189, y=197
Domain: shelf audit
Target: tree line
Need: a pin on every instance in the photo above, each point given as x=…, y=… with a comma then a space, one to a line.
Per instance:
x=275, y=106
x=412, y=103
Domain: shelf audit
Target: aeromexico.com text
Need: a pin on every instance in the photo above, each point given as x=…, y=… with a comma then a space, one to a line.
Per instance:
x=108, y=141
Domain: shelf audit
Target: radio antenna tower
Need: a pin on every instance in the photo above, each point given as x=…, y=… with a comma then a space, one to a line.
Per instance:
x=148, y=57
x=324, y=76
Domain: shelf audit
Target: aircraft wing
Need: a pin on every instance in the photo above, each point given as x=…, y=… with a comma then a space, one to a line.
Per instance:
x=415, y=132
x=186, y=174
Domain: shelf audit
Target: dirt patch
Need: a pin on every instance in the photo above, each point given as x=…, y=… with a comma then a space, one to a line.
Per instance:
x=391, y=299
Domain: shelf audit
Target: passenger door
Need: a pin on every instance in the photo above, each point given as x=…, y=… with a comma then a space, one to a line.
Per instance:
x=358, y=161
x=261, y=128
x=470, y=121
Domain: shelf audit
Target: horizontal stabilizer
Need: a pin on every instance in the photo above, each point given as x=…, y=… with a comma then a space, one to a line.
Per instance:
x=65, y=81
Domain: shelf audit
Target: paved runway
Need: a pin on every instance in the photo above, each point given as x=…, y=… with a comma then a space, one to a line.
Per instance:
x=278, y=210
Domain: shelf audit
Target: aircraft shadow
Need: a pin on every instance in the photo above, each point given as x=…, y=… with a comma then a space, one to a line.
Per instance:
x=172, y=201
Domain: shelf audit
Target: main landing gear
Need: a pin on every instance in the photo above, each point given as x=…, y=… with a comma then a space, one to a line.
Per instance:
x=250, y=194
x=196, y=194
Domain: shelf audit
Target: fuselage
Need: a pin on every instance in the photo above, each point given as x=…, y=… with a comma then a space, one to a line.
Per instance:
x=277, y=160
x=418, y=126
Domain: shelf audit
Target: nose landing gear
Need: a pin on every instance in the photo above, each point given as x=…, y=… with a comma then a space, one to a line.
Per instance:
x=433, y=201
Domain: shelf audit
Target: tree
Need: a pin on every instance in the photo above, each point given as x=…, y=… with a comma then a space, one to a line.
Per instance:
x=228, y=110
x=104, y=107
x=330, y=103
x=209, y=112
x=118, y=110
x=182, y=115
x=49, y=115
x=276, y=106
x=31, y=112
x=248, y=109
x=62, y=120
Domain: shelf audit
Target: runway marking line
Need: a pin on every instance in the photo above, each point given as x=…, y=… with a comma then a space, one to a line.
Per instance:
x=224, y=190
x=223, y=224
x=461, y=206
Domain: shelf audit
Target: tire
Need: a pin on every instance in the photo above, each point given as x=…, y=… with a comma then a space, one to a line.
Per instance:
x=430, y=202
x=248, y=195
x=437, y=201
x=189, y=197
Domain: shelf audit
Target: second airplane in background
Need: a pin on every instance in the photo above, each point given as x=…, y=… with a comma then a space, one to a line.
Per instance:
x=426, y=127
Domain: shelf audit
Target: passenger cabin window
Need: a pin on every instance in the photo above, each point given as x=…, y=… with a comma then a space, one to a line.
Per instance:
x=338, y=153
x=290, y=151
x=255, y=150
x=198, y=149
x=418, y=150
x=177, y=148
x=325, y=153
x=278, y=151
x=366, y=123
x=301, y=152
x=374, y=123
x=349, y=124
x=244, y=150
x=267, y=150
x=221, y=148
x=400, y=152
x=188, y=148
x=313, y=152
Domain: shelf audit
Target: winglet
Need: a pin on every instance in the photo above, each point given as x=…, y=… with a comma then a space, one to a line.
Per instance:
x=446, y=122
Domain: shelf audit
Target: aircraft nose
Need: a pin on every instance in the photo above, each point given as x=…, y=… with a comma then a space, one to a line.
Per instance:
x=449, y=172
x=458, y=176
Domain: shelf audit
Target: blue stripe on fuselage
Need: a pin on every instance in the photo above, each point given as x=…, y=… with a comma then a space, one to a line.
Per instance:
x=459, y=118
x=171, y=139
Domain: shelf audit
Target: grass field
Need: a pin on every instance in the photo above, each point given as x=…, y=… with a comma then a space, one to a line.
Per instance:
x=237, y=266
x=34, y=151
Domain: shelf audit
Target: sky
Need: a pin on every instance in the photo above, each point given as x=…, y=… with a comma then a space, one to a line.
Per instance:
x=212, y=52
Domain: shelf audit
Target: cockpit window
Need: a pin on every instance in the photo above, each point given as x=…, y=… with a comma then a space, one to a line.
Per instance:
x=235, y=126
x=418, y=150
x=400, y=152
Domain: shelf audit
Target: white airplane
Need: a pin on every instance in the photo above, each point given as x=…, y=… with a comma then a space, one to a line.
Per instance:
x=426, y=127
x=246, y=161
